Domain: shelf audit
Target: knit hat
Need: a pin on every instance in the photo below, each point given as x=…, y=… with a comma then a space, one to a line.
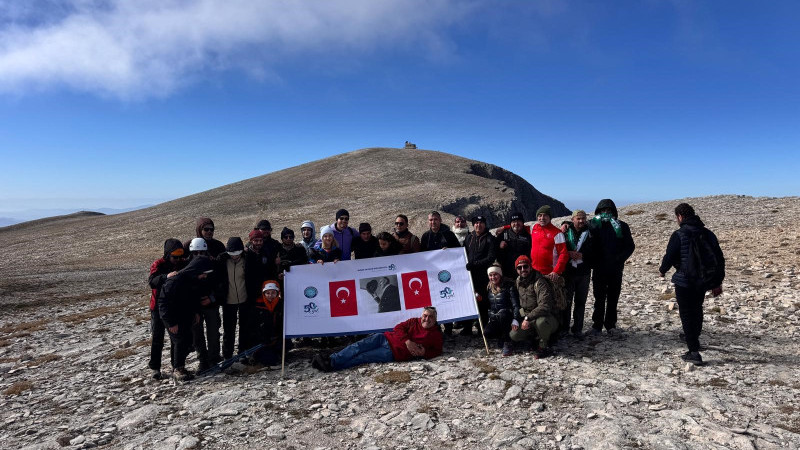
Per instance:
x=523, y=259
x=516, y=216
x=171, y=247
x=477, y=219
x=578, y=212
x=494, y=269
x=342, y=212
x=544, y=209
x=256, y=234
x=325, y=230
x=364, y=226
x=286, y=232
x=264, y=223
x=234, y=246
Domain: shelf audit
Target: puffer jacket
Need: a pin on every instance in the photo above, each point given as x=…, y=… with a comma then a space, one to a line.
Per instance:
x=503, y=304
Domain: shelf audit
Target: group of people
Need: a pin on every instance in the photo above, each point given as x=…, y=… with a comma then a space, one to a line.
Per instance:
x=531, y=284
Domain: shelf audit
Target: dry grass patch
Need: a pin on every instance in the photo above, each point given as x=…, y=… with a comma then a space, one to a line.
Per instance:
x=18, y=388
x=483, y=366
x=81, y=317
x=44, y=359
x=4, y=343
x=661, y=216
x=635, y=212
x=666, y=296
x=393, y=376
x=122, y=353
x=25, y=327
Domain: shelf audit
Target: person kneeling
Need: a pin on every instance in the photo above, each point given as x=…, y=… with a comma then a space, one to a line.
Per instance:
x=537, y=304
x=418, y=337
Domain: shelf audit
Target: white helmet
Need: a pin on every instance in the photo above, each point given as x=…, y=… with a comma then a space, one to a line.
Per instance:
x=198, y=244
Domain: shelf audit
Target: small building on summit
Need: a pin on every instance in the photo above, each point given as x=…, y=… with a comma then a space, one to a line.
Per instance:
x=409, y=145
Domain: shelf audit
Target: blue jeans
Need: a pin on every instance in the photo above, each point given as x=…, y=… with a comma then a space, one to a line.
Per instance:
x=371, y=349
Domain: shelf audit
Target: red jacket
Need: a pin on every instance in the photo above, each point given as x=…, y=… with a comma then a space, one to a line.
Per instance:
x=412, y=329
x=548, y=249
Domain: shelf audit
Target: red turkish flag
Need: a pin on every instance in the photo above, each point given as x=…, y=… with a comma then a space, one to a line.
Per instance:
x=416, y=292
x=343, y=298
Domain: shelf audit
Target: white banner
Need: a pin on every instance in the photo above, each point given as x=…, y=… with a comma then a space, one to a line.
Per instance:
x=368, y=295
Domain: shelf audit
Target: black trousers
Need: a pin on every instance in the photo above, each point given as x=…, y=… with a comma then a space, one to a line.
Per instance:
x=606, y=288
x=181, y=342
x=209, y=354
x=577, y=287
x=690, y=309
x=231, y=314
x=157, y=332
x=498, y=326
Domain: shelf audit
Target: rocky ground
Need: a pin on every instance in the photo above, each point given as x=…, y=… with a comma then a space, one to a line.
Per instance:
x=74, y=345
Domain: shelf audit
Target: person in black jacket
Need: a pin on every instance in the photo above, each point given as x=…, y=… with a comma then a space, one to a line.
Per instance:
x=578, y=272
x=690, y=290
x=163, y=268
x=205, y=229
x=513, y=241
x=503, y=300
x=438, y=235
x=179, y=306
x=366, y=245
x=387, y=245
x=480, y=255
x=612, y=245
x=291, y=254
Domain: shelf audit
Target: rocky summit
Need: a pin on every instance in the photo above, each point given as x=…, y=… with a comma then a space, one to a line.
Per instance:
x=74, y=343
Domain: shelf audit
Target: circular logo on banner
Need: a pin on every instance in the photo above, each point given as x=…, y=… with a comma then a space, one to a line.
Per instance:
x=310, y=292
x=392, y=267
x=444, y=276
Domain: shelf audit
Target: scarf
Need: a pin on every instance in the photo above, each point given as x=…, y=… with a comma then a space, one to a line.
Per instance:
x=597, y=222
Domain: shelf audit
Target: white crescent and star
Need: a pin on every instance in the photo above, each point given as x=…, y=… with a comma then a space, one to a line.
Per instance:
x=411, y=281
x=344, y=300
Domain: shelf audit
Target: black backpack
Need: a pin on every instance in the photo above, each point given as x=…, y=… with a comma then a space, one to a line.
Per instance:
x=703, y=268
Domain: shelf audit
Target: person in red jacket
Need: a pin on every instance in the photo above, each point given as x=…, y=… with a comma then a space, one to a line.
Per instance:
x=549, y=254
x=163, y=268
x=418, y=337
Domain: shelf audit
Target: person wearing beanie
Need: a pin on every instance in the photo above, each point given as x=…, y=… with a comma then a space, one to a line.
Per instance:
x=232, y=294
x=343, y=234
x=578, y=272
x=537, y=308
x=327, y=249
x=504, y=316
x=366, y=244
x=408, y=242
x=291, y=254
x=260, y=267
x=438, y=235
x=548, y=248
x=480, y=256
x=308, y=235
x=612, y=245
x=271, y=246
x=512, y=240
x=166, y=267
x=178, y=304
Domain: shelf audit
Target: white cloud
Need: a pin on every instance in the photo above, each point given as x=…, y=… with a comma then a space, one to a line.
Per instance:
x=151, y=48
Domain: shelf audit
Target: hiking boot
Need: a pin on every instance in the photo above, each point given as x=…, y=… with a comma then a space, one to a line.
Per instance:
x=321, y=363
x=578, y=335
x=692, y=357
x=613, y=332
x=215, y=360
x=543, y=352
x=203, y=366
x=182, y=375
x=508, y=349
x=156, y=374
x=595, y=332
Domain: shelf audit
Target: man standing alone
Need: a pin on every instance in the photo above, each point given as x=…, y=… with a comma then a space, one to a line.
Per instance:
x=699, y=267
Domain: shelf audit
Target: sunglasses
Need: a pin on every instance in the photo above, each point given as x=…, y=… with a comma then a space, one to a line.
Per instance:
x=523, y=266
x=344, y=218
x=208, y=229
x=399, y=223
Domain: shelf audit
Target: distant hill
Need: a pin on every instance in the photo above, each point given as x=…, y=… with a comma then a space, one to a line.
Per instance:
x=374, y=184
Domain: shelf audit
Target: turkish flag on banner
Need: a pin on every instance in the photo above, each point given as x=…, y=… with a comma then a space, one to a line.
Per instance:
x=416, y=292
x=343, y=298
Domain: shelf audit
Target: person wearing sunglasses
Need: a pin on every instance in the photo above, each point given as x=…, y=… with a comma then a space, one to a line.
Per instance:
x=174, y=259
x=536, y=309
x=407, y=240
x=205, y=229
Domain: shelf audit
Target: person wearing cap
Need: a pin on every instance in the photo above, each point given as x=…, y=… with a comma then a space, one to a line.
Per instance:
x=612, y=245
x=259, y=268
x=166, y=267
x=232, y=294
x=415, y=338
x=269, y=323
x=480, y=256
x=291, y=254
x=179, y=307
x=460, y=229
x=327, y=249
x=205, y=229
x=438, y=235
x=271, y=246
x=307, y=232
x=536, y=308
x=343, y=234
x=366, y=244
x=513, y=240
x=501, y=295
x=409, y=243
x=578, y=272
x=548, y=248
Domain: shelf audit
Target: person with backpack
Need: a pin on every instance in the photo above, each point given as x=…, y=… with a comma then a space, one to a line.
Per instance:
x=694, y=251
x=344, y=234
x=537, y=309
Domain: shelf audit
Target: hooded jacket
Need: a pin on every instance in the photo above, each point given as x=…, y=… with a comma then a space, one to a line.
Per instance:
x=345, y=239
x=444, y=238
x=180, y=297
x=161, y=268
x=308, y=244
x=516, y=246
x=609, y=252
x=215, y=247
x=678, y=251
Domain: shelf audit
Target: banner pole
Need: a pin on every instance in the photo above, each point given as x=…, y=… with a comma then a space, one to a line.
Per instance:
x=283, y=350
x=475, y=300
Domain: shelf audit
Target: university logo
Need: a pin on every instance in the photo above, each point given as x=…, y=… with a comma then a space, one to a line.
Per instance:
x=444, y=276
x=310, y=292
x=310, y=308
x=392, y=267
x=446, y=293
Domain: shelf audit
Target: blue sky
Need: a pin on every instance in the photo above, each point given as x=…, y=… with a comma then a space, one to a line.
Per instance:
x=118, y=104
